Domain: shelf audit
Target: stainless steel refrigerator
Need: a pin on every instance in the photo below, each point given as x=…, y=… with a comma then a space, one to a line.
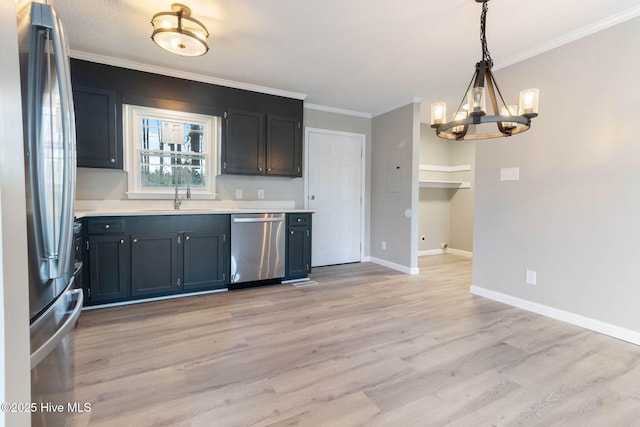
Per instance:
x=50, y=168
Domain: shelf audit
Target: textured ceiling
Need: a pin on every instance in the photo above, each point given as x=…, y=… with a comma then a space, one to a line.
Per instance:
x=363, y=55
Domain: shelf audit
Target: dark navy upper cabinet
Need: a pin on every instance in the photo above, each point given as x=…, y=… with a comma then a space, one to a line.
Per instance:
x=261, y=144
x=262, y=133
x=96, y=128
x=243, y=146
x=284, y=146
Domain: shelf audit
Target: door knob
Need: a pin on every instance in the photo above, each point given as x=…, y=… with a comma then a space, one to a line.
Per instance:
x=312, y=197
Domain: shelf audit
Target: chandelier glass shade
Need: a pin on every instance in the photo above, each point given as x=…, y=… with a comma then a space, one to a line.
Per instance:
x=471, y=119
x=179, y=33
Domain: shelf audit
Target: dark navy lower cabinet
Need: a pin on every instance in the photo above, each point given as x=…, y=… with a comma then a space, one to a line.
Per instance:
x=154, y=264
x=106, y=268
x=298, y=258
x=205, y=261
x=136, y=257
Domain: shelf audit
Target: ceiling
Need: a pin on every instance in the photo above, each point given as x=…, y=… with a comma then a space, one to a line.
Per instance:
x=365, y=56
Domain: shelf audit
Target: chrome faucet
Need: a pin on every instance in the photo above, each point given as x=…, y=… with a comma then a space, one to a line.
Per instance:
x=177, y=201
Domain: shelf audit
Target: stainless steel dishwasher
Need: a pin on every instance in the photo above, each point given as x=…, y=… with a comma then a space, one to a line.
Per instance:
x=257, y=247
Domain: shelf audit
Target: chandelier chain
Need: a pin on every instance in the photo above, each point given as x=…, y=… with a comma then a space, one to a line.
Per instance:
x=486, y=56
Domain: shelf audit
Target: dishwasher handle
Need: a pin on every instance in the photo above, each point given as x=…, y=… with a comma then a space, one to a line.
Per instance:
x=258, y=219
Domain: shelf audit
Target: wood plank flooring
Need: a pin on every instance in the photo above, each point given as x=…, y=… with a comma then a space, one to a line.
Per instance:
x=366, y=346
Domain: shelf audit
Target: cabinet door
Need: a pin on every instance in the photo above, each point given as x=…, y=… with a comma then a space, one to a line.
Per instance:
x=244, y=143
x=298, y=252
x=205, y=265
x=96, y=133
x=154, y=263
x=284, y=146
x=107, y=268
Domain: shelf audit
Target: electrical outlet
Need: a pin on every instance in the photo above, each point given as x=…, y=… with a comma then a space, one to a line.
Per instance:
x=384, y=245
x=238, y=193
x=260, y=194
x=531, y=277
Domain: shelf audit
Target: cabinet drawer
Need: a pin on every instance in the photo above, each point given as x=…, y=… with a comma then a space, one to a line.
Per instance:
x=104, y=226
x=298, y=219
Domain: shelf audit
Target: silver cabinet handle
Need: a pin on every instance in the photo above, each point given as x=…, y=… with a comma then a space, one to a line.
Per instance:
x=112, y=160
x=135, y=240
x=291, y=232
x=312, y=197
x=186, y=238
x=260, y=169
x=122, y=241
x=107, y=226
x=258, y=219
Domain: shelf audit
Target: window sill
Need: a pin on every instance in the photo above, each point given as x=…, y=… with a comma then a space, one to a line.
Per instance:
x=170, y=196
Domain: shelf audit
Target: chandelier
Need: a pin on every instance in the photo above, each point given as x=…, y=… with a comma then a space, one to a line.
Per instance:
x=510, y=119
x=179, y=33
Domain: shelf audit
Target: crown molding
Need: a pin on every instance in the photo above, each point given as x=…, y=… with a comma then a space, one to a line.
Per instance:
x=336, y=110
x=133, y=65
x=414, y=100
x=571, y=37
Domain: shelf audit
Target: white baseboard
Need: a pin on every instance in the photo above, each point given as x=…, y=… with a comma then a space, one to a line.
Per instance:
x=445, y=251
x=393, y=265
x=431, y=252
x=141, y=301
x=565, y=316
x=460, y=252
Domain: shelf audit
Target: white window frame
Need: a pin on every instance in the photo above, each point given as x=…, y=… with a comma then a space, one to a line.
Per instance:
x=212, y=133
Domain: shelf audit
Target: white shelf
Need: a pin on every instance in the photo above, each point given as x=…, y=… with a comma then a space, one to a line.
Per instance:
x=442, y=168
x=427, y=181
x=444, y=184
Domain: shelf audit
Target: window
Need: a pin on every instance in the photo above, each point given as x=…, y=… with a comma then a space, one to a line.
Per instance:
x=168, y=148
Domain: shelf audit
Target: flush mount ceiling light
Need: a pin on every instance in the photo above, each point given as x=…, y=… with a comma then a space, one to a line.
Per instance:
x=179, y=33
x=509, y=119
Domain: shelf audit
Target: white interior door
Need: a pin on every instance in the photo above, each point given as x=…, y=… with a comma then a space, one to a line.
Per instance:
x=334, y=192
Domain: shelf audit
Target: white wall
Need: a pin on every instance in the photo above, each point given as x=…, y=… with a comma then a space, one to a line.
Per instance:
x=394, y=187
x=462, y=200
x=107, y=184
x=446, y=215
x=14, y=290
x=573, y=216
x=434, y=203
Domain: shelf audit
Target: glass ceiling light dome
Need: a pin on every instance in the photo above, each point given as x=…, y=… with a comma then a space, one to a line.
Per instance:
x=179, y=33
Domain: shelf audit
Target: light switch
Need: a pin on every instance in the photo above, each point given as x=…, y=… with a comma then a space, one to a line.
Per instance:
x=260, y=194
x=510, y=174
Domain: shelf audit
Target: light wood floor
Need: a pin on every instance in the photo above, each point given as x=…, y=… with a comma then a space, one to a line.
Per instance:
x=365, y=346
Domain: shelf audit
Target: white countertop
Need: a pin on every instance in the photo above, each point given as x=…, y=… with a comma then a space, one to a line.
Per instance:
x=93, y=208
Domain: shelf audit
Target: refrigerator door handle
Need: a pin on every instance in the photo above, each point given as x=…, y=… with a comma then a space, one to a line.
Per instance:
x=66, y=328
x=52, y=166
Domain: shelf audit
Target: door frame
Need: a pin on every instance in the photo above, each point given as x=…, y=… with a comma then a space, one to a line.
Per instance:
x=363, y=156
